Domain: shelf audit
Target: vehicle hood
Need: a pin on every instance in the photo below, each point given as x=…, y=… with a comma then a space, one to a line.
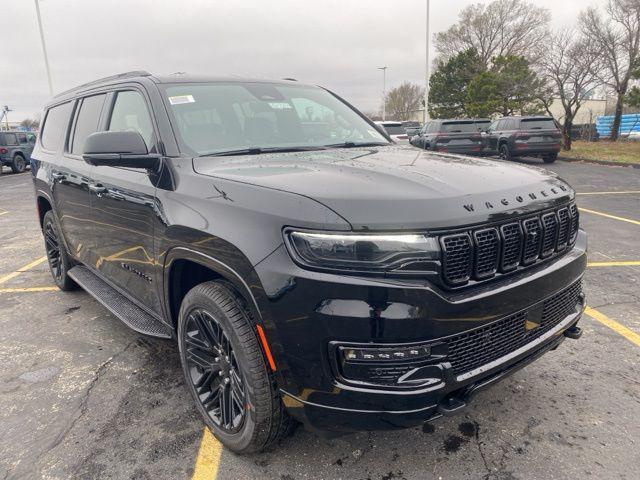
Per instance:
x=397, y=188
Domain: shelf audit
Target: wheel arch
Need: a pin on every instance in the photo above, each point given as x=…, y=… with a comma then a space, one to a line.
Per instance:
x=44, y=205
x=184, y=268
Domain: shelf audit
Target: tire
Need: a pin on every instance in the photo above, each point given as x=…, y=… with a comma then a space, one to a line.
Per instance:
x=505, y=152
x=19, y=164
x=221, y=359
x=552, y=157
x=59, y=260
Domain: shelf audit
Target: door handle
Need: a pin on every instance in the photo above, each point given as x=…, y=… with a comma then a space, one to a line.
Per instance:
x=58, y=176
x=97, y=189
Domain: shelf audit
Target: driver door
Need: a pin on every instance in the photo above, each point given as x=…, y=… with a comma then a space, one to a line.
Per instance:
x=123, y=201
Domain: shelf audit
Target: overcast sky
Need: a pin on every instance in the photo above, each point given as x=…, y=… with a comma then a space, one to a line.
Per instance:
x=334, y=43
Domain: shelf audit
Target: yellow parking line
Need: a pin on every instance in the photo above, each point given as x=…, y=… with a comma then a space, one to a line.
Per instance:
x=28, y=266
x=613, y=325
x=28, y=289
x=208, y=459
x=622, y=219
x=610, y=193
x=3, y=213
x=614, y=264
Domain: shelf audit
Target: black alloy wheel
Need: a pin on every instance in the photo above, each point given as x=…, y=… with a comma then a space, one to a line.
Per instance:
x=214, y=371
x=225, y=370
x=59, y=260
x=505, y=152
x=52, y=246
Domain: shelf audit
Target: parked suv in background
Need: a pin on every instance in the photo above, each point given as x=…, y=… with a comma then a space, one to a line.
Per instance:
x=395, y=130
x=307, y=267
x=512, y=137
x=453, y=136
x=15, y=150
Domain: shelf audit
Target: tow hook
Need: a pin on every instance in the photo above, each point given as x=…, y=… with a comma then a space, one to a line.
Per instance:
x=574, y=332
x=450, y=406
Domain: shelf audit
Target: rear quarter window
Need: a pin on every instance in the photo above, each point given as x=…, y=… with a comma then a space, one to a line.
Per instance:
x=55, y=125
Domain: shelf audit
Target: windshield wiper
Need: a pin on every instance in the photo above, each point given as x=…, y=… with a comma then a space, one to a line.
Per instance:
x=259, y=150
x=355, y=145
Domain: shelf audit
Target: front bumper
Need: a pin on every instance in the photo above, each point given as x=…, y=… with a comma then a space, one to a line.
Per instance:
x=306, y=312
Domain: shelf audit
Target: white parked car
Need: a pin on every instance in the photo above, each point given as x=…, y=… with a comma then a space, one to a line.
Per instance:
x=395, y=130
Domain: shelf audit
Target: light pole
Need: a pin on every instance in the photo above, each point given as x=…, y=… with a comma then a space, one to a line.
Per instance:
x=426, y=87
x=384, y=90
x=44, y=47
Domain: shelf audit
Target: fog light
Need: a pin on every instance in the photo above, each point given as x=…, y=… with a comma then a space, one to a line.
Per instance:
x=379, y=354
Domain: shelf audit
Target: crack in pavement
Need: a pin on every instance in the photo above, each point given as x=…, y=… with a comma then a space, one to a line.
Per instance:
x=80, y=411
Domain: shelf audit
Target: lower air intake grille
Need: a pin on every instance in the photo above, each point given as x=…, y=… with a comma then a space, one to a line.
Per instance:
x=474, y=348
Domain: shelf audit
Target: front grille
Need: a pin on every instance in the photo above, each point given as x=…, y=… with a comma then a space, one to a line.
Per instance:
x=477, y=347
x=482, y=253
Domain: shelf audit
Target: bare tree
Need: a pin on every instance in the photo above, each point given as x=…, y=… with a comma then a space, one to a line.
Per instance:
x=572, y=71
x=500, y=28
x=403, y=101
x=30, y=123
x=617, y=39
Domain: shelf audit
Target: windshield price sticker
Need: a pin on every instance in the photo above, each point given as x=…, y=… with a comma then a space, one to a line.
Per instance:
x=180, y=99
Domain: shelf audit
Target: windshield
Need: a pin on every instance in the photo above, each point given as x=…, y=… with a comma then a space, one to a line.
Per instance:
x=467, y=127
x=538, y=124
x=225, y=117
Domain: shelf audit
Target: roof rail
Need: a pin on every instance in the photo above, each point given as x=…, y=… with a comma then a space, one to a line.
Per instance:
x=119, y=76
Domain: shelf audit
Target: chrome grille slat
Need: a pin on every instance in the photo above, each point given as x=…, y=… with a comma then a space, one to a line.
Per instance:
x=485, y=252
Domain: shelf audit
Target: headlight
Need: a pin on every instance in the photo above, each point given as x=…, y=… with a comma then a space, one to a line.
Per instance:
x=362, y=252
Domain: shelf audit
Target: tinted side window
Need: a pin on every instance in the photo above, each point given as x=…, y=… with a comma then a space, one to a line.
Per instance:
x=55, y=124
x=130, y=114
x=22, y=138
x=87, y=121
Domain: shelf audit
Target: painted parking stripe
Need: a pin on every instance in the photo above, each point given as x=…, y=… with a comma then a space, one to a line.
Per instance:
x=622, y=219
x=28, y=266
x=208, y=459
x=632, y=263
x=625, y=192
x=630, y=335
x=28, y=289
x=3, y=213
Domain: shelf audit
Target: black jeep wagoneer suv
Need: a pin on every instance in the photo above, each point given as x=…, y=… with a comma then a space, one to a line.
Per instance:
x=307, y=266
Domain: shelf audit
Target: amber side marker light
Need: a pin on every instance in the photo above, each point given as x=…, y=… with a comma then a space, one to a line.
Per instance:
x=265, y=345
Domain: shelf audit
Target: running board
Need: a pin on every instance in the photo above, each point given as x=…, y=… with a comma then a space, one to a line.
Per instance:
x=123, y=308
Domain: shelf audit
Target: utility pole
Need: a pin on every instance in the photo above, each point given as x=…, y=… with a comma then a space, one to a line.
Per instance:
x=426, y=87
x=44, y=47
x=384, y=91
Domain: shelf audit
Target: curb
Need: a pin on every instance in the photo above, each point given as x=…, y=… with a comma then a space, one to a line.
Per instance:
x=599, y=162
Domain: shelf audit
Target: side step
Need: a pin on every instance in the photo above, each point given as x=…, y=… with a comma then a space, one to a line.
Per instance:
x=123, y=308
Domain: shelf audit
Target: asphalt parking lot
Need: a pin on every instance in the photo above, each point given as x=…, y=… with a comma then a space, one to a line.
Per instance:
x=82, y=396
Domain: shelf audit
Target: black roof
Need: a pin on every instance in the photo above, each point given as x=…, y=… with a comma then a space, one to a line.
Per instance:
x=180, y=77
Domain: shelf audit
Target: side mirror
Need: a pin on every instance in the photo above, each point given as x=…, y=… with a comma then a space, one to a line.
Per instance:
x=119, y=149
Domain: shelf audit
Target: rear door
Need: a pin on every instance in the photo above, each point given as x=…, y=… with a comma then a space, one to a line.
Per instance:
x=123, y=202
x=68, y=178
